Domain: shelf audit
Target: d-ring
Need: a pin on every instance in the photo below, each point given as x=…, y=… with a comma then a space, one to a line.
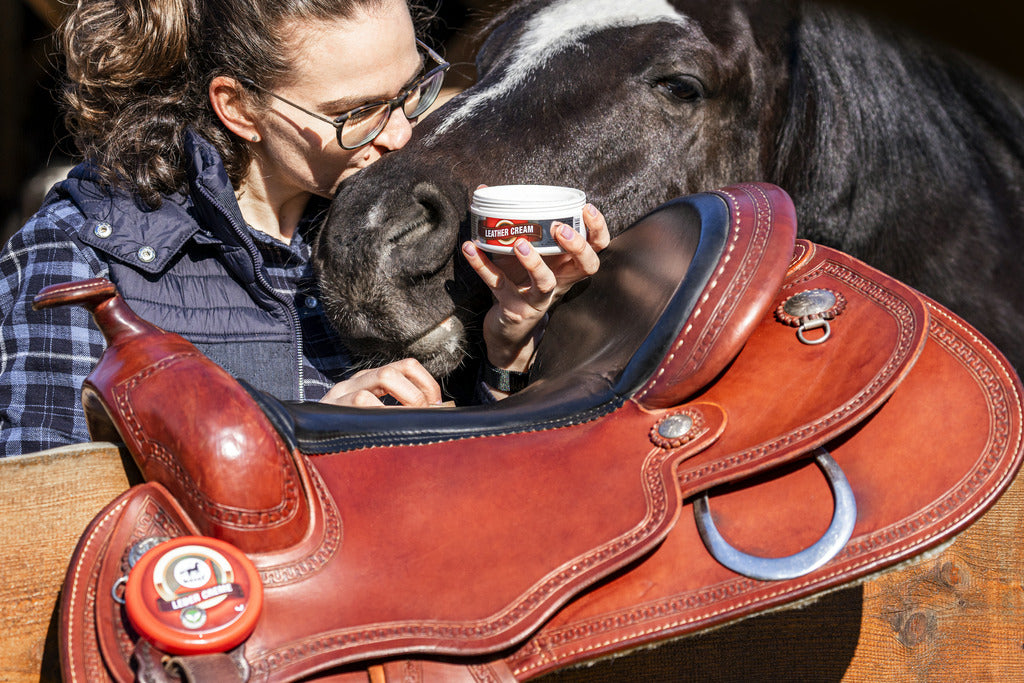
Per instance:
x=813, y=325
x=804, y=562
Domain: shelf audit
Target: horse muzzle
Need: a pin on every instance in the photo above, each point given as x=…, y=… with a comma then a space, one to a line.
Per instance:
x=386, y=264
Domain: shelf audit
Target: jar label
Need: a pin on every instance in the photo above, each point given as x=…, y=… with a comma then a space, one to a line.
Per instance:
x=502, y=233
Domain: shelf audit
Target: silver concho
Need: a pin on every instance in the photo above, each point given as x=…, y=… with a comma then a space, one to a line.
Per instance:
x=809, y=310
x=675, y=426
x=677, y=429
x=135, y=554
x=139, y=549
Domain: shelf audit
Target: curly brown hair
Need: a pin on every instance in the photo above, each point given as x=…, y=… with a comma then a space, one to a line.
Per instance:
x=138, y=71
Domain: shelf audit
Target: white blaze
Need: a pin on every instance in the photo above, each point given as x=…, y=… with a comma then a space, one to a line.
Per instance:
x=552, y=28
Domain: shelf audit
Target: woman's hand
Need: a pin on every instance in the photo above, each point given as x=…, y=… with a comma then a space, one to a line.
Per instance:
x=406, y=381
x=526, y=285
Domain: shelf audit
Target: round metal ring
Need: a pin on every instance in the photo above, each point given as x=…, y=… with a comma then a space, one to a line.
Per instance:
x=844, y=517
x=118, y=595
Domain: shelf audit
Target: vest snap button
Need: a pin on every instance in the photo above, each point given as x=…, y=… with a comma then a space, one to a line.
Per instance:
x=311, y=302
x=147, y=254
x=103, y=230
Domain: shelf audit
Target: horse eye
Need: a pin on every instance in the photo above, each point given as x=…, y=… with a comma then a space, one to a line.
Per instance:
x=681, y=88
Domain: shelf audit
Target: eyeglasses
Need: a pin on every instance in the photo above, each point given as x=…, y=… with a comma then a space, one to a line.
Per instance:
x=359, y=126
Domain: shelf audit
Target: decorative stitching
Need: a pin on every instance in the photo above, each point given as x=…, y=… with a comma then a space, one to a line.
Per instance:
x=763, y=219
x=223, y=515
x=900, y=311
x=73, y=622
x=322, y=552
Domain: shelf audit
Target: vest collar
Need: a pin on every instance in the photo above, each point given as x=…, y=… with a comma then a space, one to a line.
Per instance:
x=148, y=239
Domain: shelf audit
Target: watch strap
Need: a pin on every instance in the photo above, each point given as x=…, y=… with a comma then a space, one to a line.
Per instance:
x=508, y=381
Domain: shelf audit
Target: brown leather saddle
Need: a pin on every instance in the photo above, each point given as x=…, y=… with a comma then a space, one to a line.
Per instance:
x=724, y=420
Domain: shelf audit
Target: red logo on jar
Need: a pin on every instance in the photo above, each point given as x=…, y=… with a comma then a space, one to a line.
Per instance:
x=505, y=232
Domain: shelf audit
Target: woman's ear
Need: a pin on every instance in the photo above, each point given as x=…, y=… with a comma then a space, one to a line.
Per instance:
x=233, y=108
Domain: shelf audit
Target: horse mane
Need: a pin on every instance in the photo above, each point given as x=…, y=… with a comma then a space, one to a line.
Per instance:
x=885, y=131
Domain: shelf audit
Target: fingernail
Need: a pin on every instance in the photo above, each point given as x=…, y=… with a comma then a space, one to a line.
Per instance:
x=523, y=247
x=591, y=209
x=469, y=249
x=568, y=233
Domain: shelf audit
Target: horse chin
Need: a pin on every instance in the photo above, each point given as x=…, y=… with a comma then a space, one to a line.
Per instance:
x=440, y=349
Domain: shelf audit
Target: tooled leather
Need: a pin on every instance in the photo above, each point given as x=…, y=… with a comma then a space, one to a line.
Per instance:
x=95, y=643
x=277, y=653
x=1004, y=395
x=80, y=658
x=878, y=300
x=618, y=621
x=190, y=445
x=421, y=671
x=144, y=517
x=313, y=553
x=223, y=515
x=239, y=517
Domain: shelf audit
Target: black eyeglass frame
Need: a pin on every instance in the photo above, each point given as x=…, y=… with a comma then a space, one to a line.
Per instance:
x=339, y=121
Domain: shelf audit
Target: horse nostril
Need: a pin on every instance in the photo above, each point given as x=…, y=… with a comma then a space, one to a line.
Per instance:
x=423, y=235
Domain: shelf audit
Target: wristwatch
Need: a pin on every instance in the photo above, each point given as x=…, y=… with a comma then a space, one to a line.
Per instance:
x=508, y=381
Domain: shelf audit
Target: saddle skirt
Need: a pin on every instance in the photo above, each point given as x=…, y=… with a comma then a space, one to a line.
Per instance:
x=722, y=421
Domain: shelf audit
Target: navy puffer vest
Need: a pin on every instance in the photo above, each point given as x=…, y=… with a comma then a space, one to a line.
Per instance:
x=191, y=267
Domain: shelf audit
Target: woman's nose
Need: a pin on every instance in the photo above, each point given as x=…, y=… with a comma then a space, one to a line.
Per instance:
x=397, y=131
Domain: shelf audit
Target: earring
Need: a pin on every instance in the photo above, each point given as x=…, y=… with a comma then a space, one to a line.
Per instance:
x=255, y=138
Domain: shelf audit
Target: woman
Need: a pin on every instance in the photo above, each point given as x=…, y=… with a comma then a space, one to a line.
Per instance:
x=214, y=131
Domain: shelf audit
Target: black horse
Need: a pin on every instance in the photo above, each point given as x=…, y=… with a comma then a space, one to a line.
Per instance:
x=907, y=156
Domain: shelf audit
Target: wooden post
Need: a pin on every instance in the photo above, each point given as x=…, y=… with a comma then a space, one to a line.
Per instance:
x=46, y=501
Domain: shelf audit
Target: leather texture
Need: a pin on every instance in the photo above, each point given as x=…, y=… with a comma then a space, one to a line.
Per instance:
x=502, y=542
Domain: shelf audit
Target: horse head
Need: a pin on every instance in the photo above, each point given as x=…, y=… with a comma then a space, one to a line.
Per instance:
x=640, y=102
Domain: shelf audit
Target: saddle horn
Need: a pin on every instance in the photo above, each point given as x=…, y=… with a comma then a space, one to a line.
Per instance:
x=224, y=460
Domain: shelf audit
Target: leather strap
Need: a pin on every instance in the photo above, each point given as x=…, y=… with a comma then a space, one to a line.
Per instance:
x=508, y=381
x=153, y=666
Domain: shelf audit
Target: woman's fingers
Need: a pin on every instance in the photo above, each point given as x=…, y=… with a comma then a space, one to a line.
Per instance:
x=526, y=285
x=542, y=278
x=597, y=227
x=491, y=275
x=406, y=381
x=535, y=288
x=579, y=250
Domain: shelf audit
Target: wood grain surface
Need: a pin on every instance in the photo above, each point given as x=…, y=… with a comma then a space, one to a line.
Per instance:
x=46, y=501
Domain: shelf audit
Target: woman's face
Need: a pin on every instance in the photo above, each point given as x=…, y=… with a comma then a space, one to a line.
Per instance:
x=335, y=66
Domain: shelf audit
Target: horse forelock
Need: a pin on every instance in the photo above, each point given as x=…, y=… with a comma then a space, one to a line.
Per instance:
x=550, y=31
